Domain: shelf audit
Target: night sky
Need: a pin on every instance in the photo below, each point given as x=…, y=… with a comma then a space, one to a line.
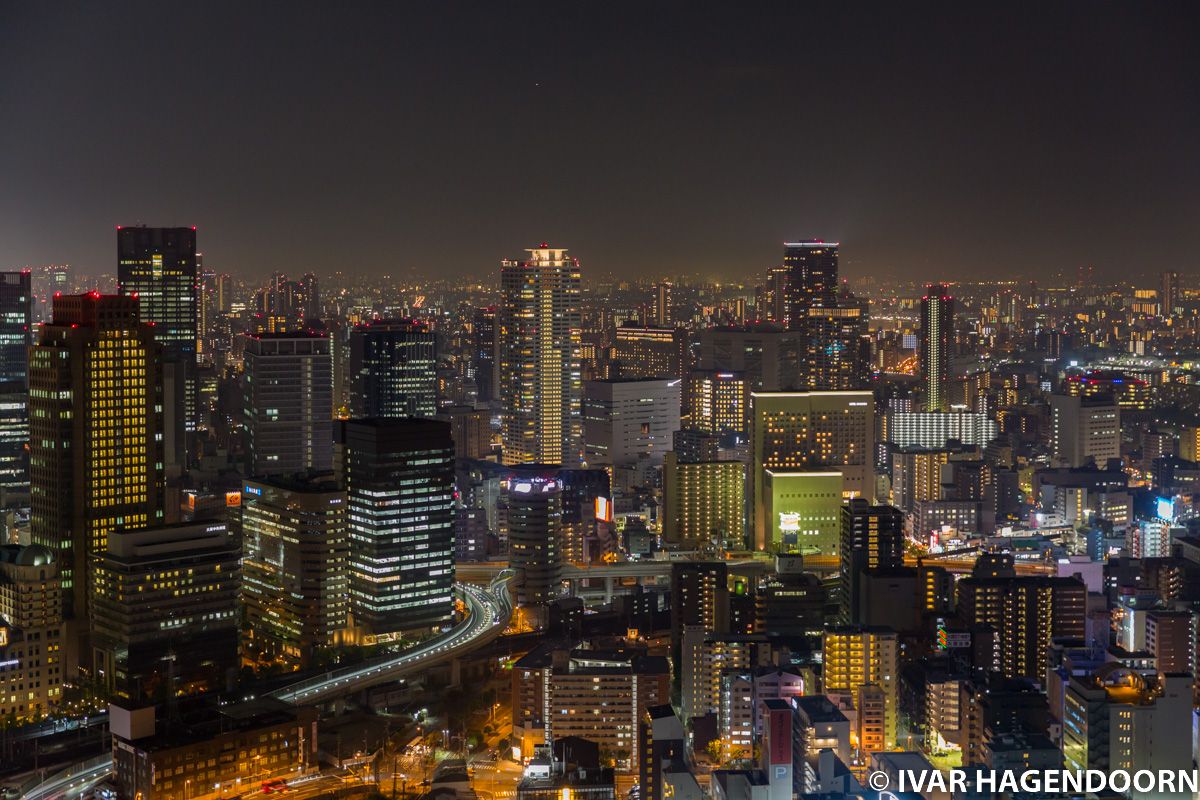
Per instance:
x=941, y=141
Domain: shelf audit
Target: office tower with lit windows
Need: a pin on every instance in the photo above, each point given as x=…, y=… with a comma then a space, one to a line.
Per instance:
x=812, y=279
x=718, y=403
x=650, y=351
x=393, y=369
x=662, y=304
x=398, y=475
x=836, y=351
x=308, y=299
x=872, y=538
x=862, y=666
x=295, y=579
x=287, y=395
x=629, y=422
x=1168, y=293
x=937, y=345
x=484, y=353
x=31, y=633
x=533, y=508
x=158, y=266
x=96, y=451
x=539, y=324
x=767, y=356
x=1129, y=392
x=773, y=298
x=16, y=326
x=225, y=293
x=704, y=501
x=165, y=613
x=819, y=432
x=1084, y=429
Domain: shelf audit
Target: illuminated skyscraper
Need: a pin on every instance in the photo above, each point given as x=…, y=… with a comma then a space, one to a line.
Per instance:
x=16, y=322
x=288, y=403
x=393, y=369
x=295, y=584
x=1168, y=293
x=837, y=353
x=96, y=451
x=872, y=537
x=399, y=480
x=540, y=380
x=818, y=432
x=158, y=266
x=662, y=303
x=651, y=351
x=937, y=342
x=812, y=279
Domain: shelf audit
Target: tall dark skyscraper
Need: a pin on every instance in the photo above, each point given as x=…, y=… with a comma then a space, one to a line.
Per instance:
x=812, y=280
x=158, y=266
x=539, y=328
x=288, y=403
x=393, y=369
x=937, y=341
x=399, y=480
x=872, y=538
x=16, y=321
x=533, y=519
x=96, y=454
x=483, y=352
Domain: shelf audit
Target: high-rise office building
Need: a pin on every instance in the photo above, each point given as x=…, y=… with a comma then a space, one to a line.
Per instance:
x=1168, y=292
x=650, y=351
x=872, y=537
x=288, y=403
x=158, y=266
x=484, y=353
x=165, y=613
x=718, y=403
x=837, y=350
x=471, y=430
x=295, y=579
x=628, y=422
x=308, y=298
x=398, y=475
x=812, y=279
x=767, y=356
x=820, y=432
x=96, y=451
x=662, y=303
x=539, y=325
x=393, y=369
x=1084, y=429
x=16, y=326
x=937, y=344
x=704, y=501
x=773, y=297
x=533, y=501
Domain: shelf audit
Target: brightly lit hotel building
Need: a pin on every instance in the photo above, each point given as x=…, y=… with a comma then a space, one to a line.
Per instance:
x=540, y=379
x=820, y=432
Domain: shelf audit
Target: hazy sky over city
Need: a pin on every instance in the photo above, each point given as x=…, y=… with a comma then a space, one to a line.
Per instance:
x=951, y=140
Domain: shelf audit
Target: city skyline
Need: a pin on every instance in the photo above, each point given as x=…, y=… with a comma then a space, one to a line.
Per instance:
x=962, y=143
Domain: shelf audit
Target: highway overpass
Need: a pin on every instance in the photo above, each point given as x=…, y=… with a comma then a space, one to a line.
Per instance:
x=488, y=612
